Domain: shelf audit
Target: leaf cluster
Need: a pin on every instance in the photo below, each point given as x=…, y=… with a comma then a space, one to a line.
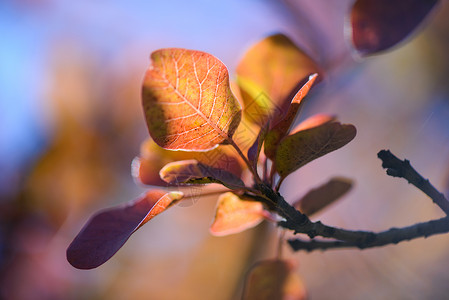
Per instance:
x=193, y=118
x=237, y=139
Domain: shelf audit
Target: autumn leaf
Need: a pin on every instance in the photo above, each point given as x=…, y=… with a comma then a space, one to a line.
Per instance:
x=187, y=100
x=193, y=172
x=268, y=75
x=320, y=197
x=145, y=168
x=377, y=25
x=302, y=147
x=274, y=279
x=106, y=232
x=234, y=215
x=279, y=130
x=254, y=150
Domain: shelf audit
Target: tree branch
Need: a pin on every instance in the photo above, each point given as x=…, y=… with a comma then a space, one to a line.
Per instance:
x=343, y=238
x=402, y=168
x=366, y=239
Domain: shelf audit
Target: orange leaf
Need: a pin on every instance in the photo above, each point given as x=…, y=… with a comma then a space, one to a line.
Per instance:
x=269, y=74
x=279, y=130
x=320, y=197
x=193, y=172
x=380, y=24
x=234, y=215
x=274, y=279
x=145, y=168
x=187, y=100
x=302, y=147
x=106, y=232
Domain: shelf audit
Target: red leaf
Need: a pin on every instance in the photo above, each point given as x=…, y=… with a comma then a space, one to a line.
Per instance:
x=380, y=24
x=187, y=100
x=274, y=279
x=279, y=130
x=320, y=197
x=106, y=232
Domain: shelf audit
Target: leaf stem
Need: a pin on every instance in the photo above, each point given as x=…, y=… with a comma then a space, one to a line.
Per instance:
x=250, y=167
x=265, y=169
x=272, y=173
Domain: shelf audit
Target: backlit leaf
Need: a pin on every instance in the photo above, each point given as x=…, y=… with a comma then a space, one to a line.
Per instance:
x=320, y=197
x=234, y=215
x=269, y=74
x=145, y=168
x=274, y=279
x=380, y=24
x=193, y=172
x=302, y=147
x=106, y=232
x=187, y=100
x=279, y=130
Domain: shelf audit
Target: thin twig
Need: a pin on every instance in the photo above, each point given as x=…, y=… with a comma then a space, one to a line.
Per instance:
x=250, y=166
x=365, y=239
x=402, y=168
x=300, y=223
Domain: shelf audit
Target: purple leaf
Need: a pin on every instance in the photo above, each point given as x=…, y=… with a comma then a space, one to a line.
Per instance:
x=106, y=232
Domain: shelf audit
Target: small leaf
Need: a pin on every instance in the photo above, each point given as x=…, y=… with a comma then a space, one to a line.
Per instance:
x=106, y=232
x=234, y=215
x=302, y=147
x=320, y=197
x=274, y=279
x=279, y=130
x=187, y=100
x=269, y=74
x=145, y=168
x=254, y=150
x=380, y=24
x=193, y=172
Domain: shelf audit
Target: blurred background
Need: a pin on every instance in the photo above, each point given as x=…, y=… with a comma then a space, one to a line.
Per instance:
x=71, y=123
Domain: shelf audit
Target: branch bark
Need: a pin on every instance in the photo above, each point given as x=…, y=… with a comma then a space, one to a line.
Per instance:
x=402, y=168
x=342, y=238
x=365, y=239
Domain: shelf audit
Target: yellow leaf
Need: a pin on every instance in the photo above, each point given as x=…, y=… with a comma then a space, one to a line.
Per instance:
x=269, y=74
